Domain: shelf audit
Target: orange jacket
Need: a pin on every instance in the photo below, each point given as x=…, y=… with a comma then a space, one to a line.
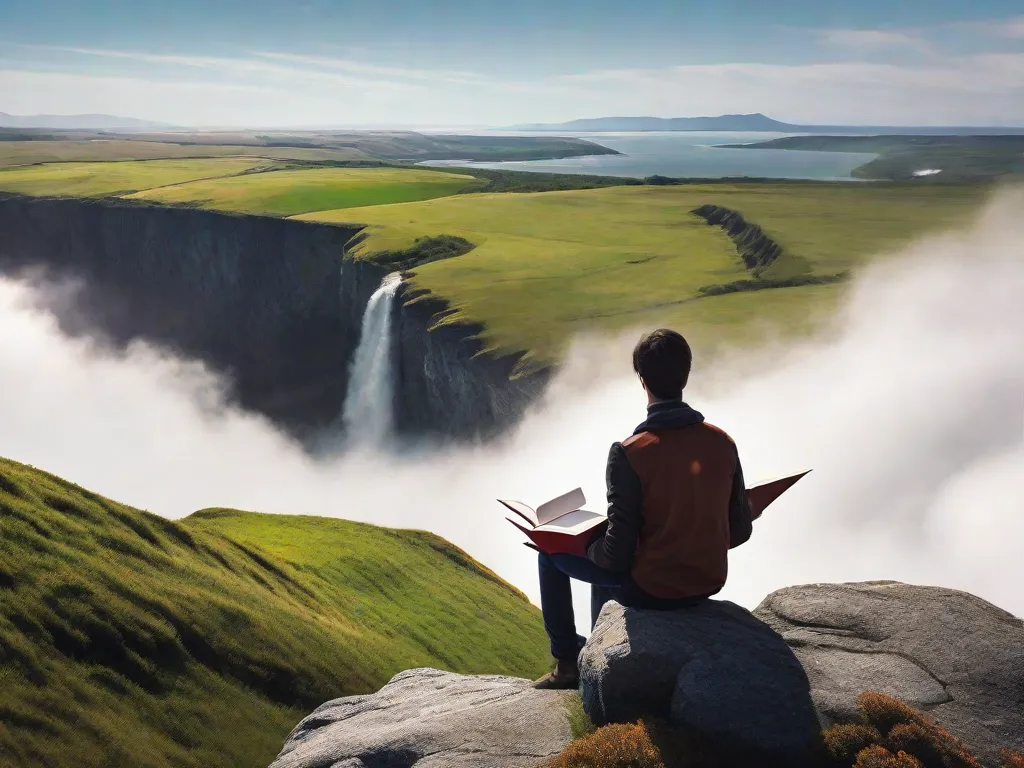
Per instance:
x=676, y=505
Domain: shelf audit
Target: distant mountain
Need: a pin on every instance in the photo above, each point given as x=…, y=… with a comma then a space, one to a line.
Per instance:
x=753, y=122
x=757, y=123
x=82, y=122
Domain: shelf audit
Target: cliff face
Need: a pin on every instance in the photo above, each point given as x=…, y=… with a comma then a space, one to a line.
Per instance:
x=270, y=302
x=755, y=247
x=256, y=298
x=442, y=380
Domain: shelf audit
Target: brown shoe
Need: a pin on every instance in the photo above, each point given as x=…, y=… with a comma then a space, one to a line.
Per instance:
x=566, y=677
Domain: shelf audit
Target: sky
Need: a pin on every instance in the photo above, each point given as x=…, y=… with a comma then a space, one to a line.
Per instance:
x=226, y=63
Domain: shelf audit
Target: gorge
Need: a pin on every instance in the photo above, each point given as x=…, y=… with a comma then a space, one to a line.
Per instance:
x=275, y=305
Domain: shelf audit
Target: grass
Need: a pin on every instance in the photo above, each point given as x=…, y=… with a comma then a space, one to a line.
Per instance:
x=288, y=192
x=40, y=145
x=114, y=178
x=105, y=150
x=129, y=639
x=900, y=157
x=548, y=265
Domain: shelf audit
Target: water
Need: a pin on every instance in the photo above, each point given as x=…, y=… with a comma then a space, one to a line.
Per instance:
x=369, y=404
x=688, y=154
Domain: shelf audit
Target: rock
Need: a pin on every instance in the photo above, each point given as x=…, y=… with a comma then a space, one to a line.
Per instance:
x=430, y=719
x=714, y=668
x=948, y=653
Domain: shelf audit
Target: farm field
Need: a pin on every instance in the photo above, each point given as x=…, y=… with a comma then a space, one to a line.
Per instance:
x=548, y=265
x=117, y=178
x=14, y=153
x=287, y=192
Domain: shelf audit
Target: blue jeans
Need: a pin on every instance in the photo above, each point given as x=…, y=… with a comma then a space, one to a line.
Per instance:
x=556, y=598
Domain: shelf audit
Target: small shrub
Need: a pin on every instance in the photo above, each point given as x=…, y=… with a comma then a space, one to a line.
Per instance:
x=880, y=757
x=844, y=742
x=614, y=746
x=883, y=712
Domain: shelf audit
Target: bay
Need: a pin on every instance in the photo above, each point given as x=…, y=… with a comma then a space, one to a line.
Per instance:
x=690, y=154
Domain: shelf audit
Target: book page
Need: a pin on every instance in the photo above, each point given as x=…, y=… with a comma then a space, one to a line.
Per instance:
x=524, y=511
x=574, y=523
x=562, y=505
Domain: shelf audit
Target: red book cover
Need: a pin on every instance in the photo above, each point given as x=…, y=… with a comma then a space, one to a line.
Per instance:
x=560, y=526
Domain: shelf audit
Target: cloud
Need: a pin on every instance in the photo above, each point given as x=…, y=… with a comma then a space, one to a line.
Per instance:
x=862, y=39
x=908, y=408
x=349, y=65
x=300, y=89
x=969, y=90
x=252, y=67
x=1012, y=28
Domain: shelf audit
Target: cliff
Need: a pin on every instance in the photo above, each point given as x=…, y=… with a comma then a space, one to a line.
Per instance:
x=272, y=303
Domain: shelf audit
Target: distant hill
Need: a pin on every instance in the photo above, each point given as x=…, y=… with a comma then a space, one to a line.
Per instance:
x=130, y=639
x=752, y=122
x=79, y=122
x=757, y=123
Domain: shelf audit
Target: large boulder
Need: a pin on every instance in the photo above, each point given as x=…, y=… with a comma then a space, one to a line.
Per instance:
x=429, y=719
x=948, y=653
x=714, y=668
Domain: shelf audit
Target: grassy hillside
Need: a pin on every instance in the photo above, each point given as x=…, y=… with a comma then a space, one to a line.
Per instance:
x=102, y=179
x=128, y=639
x=547, y=265
x=904, y=157
x=30, y=152
x=288, y=192
x=29, y=145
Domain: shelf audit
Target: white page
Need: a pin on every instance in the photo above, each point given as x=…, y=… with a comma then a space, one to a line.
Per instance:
x=562, y=505
x=523, y=510
x=574, y=523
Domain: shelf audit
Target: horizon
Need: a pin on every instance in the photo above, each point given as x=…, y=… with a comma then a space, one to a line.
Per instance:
x=395, y=62
x=523, y=126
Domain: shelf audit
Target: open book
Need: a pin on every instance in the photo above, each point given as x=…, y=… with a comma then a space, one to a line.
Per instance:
x=562, y=526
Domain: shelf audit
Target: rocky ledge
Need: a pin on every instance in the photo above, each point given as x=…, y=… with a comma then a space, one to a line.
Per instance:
x=767, y=680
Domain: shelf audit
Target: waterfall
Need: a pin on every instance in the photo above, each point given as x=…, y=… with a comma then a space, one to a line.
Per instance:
x=369, y=404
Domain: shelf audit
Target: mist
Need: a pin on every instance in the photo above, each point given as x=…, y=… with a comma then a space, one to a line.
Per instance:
x=908, y=406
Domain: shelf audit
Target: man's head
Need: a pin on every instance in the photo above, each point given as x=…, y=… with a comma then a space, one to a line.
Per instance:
x=662, y=360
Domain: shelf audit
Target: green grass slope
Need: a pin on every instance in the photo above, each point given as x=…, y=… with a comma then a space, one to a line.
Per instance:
x=129, y=639
x=288, y=192
x=551, y=264
x=30, y=152
x=104, y=179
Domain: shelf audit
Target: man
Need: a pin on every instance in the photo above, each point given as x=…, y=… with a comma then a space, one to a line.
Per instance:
x=676, y=506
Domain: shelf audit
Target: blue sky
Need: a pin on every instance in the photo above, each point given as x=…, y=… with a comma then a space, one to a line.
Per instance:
x=476, y=62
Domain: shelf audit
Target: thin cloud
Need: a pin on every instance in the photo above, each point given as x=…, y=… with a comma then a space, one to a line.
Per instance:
x=1012, y=28
x=868, y=39
x=243, y=67
x=348, y=65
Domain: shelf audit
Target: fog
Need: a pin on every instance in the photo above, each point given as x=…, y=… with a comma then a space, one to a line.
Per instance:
x=909, y=407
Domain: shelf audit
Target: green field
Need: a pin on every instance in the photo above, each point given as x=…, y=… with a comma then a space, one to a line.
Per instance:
x=31, y=145
x=103, y=150
x=129, y=639
x=550, y=264
x=288, y=192
x=901, y=158
x=114, y=178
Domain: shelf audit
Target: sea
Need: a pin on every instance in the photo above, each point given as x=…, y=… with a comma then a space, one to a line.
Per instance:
x=693, y=154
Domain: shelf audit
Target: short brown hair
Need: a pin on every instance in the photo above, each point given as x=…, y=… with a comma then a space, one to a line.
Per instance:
x=662, y=358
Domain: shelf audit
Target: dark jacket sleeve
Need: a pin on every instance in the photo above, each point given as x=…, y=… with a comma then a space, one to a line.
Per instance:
x=614, y=550
x=741, y=517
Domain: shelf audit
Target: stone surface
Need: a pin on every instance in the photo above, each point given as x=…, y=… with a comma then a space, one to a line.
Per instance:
x=948, y=653
x=429, y=719
x=714, y=667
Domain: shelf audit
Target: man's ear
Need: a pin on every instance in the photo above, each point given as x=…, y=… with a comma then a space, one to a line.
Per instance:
x=643, y=383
